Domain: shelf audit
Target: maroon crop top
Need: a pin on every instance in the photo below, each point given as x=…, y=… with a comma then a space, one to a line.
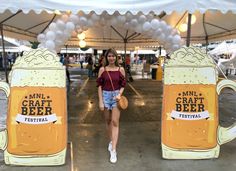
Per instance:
x=118, y=80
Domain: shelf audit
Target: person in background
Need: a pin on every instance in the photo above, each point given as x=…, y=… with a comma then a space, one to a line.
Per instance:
x=81, y=60
x=1, y=61
x=65, y=62
x=90, y=66
x=111, y=82
x=128, y=68
x=120, y=61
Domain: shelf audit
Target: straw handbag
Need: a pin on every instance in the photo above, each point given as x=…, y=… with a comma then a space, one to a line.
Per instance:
x=123, y=102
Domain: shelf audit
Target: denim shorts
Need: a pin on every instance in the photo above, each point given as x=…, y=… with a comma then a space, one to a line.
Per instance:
x=109, y=99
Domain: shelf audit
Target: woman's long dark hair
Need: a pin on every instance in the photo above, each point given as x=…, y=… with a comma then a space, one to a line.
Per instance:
x=113, y=51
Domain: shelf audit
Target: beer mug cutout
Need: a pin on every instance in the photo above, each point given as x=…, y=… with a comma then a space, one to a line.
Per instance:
x=190, y=121
x=36, y=132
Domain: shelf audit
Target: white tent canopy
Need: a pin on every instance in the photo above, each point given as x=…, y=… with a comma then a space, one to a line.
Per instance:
x=215, y=19
x=134, y=6
x=222, y=48
x=12, y=45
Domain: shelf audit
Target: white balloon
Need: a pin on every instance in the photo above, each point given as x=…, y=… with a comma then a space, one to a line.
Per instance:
x=129, y=16
x=59, y=42
x=161, y=37
x=60, y=24
x=83, y=21
x=53, y=27
x=163, y=24
x=174, y=32
x=175, y=47
x=142, y=19
x=169, y=39
x=158, y=31
x=168, y=29
x=95, y=17
x=146, y=26
x=70, y=26
x=64, y=18
x=176, y=39
x=41, y=37
x=59, y=33
x=50, y=44
x=50, y=35
x=74, y=18
x=134, y=22
x=66, y=34
x=155, y=24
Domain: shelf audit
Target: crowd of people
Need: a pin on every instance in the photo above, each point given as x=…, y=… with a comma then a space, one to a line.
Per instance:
x=10, y=59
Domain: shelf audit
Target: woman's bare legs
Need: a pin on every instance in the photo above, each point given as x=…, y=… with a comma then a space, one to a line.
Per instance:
x=107, y=116
x=115, y=117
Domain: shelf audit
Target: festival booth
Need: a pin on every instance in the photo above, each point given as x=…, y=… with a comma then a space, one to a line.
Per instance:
x=36, y=131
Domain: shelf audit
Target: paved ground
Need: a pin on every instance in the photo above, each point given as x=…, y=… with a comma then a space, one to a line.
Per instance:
x=139, y=144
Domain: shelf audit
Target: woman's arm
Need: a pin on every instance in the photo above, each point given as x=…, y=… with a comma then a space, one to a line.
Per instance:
x=101, y=105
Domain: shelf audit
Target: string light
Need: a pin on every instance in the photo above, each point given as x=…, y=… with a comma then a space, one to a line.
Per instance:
x=82, y=43
x=183, y=27
x=81, y=36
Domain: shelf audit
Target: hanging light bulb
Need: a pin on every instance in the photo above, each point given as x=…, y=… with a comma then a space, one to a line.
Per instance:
x=193, y=19
x=183, y=27
x=82, y=43
x=81, y=36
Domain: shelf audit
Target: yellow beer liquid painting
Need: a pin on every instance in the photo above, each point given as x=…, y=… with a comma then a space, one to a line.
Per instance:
x=188, y=100
x=37, y=139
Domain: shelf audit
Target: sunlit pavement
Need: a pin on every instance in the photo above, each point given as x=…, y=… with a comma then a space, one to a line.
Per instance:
x=139, y=143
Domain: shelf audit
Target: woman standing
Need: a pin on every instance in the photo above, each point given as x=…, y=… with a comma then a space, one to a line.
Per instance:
x=111, y=83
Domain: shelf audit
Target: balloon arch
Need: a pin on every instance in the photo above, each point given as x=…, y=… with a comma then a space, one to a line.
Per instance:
x=70, y=24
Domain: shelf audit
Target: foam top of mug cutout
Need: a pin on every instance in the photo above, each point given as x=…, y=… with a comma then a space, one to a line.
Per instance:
x=38, y=67
x=38, y=58
x=190, y=56
x=190, y=65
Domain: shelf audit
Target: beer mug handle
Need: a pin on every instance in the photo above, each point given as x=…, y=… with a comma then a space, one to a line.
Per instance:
x=226, y=134
x=3, y=134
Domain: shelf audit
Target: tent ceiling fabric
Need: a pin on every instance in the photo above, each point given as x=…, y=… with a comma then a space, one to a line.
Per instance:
x=219, y=19
x=134, y=6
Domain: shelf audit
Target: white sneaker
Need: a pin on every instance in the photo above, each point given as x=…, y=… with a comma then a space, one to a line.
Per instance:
x=113, y=157
x=109, y=146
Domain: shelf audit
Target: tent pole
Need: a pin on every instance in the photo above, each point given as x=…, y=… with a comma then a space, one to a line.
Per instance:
x=189, y=30
x=3, y=53
x=125, y=42
x=205, y=30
